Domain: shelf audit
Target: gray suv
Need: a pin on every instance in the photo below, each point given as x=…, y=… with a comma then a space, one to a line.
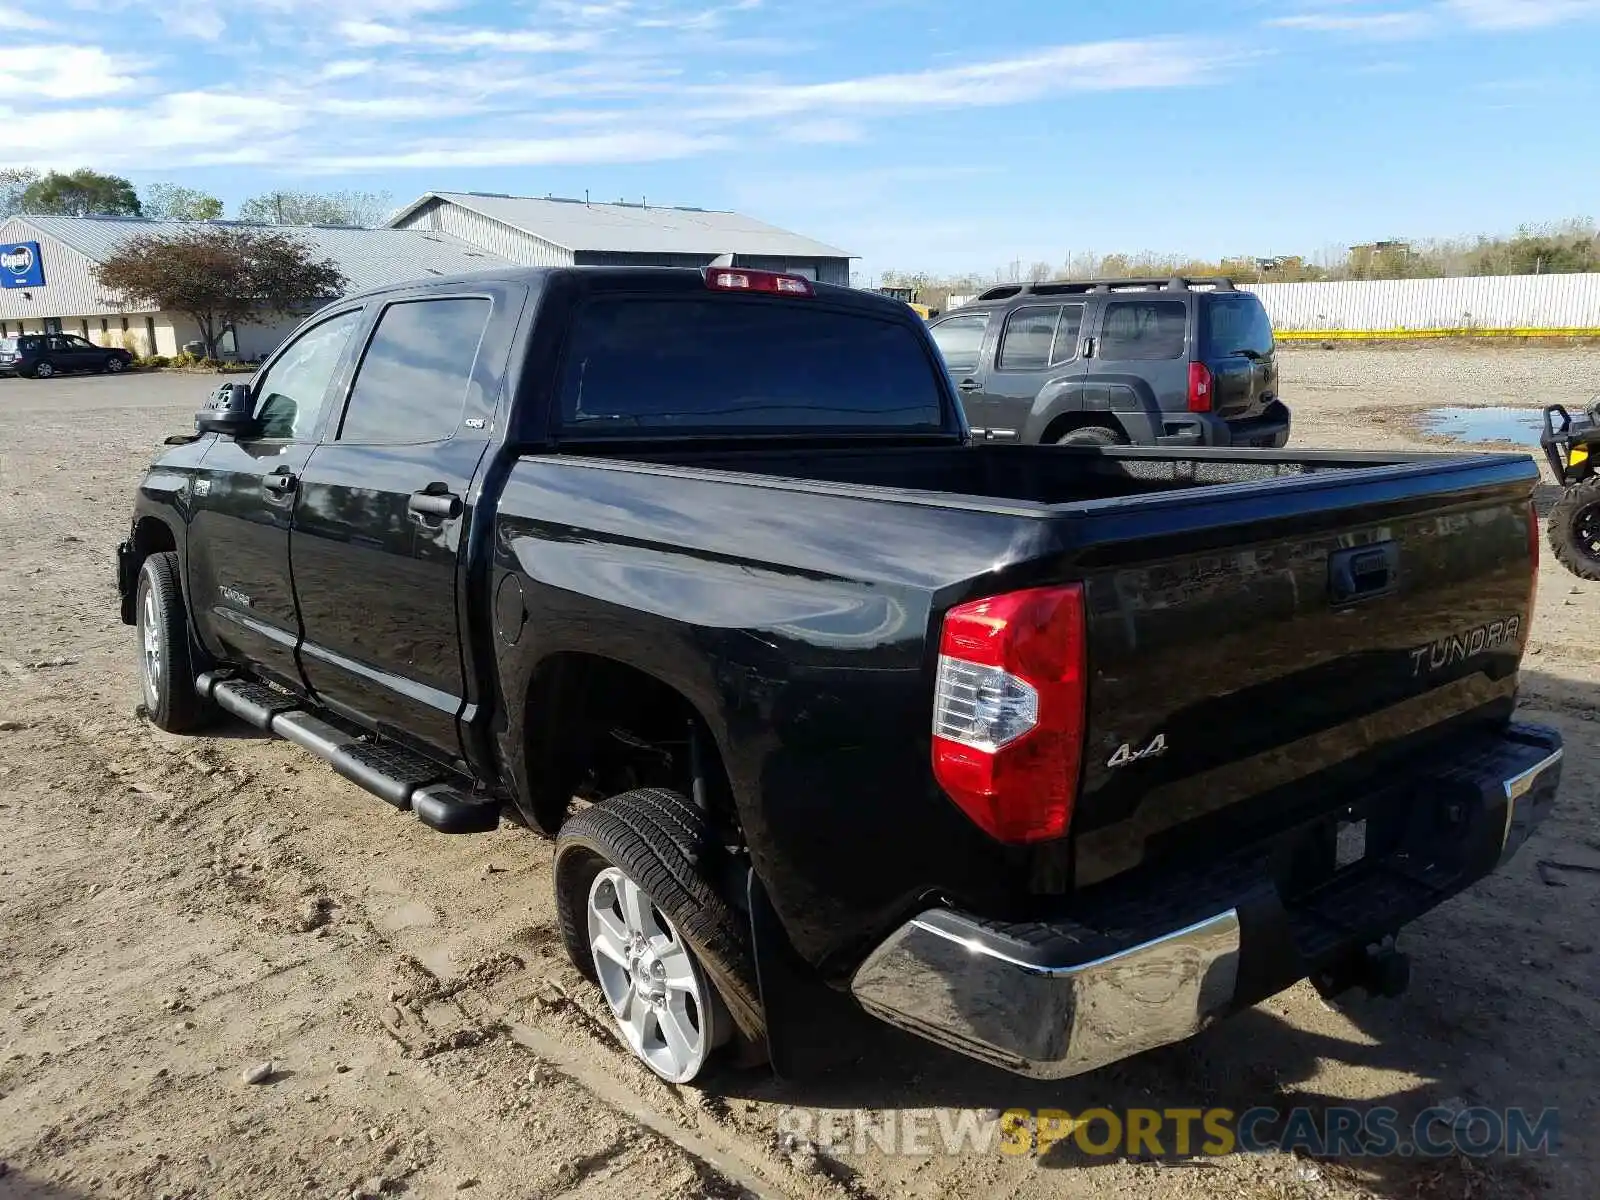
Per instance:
x=1169, y=362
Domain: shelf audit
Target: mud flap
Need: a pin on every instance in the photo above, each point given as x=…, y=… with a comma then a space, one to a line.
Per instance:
x=811, y=1027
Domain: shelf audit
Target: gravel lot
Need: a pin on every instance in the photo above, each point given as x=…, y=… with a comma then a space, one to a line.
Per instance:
x=174, y=912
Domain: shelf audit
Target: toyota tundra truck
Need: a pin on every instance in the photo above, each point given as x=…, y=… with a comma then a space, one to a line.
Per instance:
x=1048, y=754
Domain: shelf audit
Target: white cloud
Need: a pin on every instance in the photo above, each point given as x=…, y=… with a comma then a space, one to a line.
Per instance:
x=1380, y=25
x=1522, y=14
x=62, y=73
x=1091, y=66
x=17, y=21
x=509, y=41
x=638, y=146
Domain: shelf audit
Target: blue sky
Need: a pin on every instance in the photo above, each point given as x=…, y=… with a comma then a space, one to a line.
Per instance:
x=944, y=136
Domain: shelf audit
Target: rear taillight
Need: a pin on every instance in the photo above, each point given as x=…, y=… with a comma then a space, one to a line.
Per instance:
x=1200, y=382
x=1533, y=565
x=731, y=279
x=1008, y=714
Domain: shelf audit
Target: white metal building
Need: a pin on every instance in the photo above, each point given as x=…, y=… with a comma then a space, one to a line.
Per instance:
x=71, y=300
x=553, y=232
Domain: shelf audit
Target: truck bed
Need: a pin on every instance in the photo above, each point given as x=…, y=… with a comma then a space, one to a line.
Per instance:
x=1212, y=624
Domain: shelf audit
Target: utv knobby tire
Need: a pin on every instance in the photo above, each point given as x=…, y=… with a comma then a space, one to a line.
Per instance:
x=1580, y=503
x=171, y=699
x=658, y=838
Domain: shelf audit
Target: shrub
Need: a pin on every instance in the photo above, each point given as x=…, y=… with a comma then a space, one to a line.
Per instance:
x=183, y=359
x=152, y=362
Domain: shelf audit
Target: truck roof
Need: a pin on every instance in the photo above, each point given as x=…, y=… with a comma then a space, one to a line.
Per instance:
x=643, y=279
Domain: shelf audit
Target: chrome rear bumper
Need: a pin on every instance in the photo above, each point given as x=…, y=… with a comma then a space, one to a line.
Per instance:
x=954, y=981
x=1052, y=1000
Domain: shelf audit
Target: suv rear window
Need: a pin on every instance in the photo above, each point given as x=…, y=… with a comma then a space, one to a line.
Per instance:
x=720, y=364
x=1235, y=323
x=1143, y=330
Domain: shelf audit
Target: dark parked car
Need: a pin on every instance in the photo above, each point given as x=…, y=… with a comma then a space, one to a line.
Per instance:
x=41, y=355
x=1047, y=754
x=1152, y=362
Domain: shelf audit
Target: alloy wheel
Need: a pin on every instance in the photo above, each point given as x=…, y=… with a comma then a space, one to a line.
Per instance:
x=655, y=989
x=150, y=642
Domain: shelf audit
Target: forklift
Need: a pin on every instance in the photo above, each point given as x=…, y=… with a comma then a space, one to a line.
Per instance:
x=1572, y=444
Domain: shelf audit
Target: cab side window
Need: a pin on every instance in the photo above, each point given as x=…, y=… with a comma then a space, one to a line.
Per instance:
x=412, y=383
x=290, y=395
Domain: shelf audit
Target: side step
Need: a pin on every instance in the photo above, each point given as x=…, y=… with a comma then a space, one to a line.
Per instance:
x=394, y=774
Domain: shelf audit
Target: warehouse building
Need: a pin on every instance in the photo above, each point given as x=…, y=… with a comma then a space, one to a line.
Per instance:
x=48, y=282
x=556, y=232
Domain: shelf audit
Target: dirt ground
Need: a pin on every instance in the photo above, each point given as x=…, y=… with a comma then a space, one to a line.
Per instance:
x=175, y=912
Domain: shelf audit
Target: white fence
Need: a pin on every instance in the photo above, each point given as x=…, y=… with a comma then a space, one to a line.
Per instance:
x=1503, y=305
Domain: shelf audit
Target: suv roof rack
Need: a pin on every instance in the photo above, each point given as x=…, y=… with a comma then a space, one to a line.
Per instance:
x=1078, y=287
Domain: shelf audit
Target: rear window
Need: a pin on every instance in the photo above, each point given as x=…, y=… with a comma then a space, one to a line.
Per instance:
x=1143, y=330
x=718, y=364
x=1236, y=323
x=8, y=344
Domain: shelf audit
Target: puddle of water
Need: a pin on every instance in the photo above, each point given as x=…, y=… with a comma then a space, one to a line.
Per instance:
x=1520, y=426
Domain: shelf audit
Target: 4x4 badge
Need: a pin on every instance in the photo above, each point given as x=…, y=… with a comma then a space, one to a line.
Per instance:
x=1127, y=754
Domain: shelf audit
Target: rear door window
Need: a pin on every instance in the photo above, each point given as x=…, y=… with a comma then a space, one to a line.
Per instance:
x=1029, y=334
x=960, y=339
x=1235, y=323
x=693, y=365
x=412, y=382
x=1143, y=330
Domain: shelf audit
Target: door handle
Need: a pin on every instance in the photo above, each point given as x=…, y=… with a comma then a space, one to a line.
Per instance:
x=1090, y=345
x=281, y=482
x=435, y=500
x=969, y=385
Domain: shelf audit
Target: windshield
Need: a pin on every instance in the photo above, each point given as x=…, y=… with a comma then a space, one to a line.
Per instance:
x=722, y=365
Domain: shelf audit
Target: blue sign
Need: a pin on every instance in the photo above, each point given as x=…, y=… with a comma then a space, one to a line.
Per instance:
x=20, y=265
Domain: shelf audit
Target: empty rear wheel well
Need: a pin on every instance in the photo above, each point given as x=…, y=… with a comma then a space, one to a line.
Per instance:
x=597, y=727
x=1067, y=422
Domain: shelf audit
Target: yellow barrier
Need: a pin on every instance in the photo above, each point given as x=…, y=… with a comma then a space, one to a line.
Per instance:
x=1379, y=335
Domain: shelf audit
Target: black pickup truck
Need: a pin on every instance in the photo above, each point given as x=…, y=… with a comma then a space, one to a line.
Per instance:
x=1048, y=754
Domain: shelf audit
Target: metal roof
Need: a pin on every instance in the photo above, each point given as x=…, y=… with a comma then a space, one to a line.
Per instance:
x=369, y=258
x=579, y=225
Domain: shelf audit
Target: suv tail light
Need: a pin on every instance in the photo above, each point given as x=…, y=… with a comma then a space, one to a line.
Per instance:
x=1008, y=713
x=731, y=279
x=1200, y=382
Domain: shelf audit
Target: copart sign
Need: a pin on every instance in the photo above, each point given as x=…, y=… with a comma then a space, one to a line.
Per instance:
x=20, y=265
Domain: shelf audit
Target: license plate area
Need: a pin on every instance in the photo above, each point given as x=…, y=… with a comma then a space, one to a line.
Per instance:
x=1349, y=843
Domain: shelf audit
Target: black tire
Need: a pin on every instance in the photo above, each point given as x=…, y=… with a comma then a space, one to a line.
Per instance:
x=113, y=364
x=1575, y=529
x=1090, y=435
x=43, y=369
x=657, y=837
x=169, y=693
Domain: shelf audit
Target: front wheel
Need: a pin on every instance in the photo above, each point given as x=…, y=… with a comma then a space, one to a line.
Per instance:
x=639, y=916
x=113, y=365
x=166, y=670
x=1575, y=529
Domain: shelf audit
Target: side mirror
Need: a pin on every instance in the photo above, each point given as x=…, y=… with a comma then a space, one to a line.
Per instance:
x=227, y=412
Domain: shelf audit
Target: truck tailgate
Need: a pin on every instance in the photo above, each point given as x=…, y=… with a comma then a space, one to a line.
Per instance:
x=1233, y=675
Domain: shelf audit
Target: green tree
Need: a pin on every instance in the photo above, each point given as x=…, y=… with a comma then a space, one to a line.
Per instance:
x=174, y=202
x=318, y=208
x=14, y=183
x=81, y=193
x=221, y=276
